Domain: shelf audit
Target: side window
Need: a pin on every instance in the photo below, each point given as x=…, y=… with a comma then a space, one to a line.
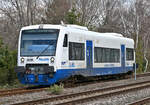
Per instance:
x=76, y=51
x=65, y=44
x=97, y=54
x=112, y=55
x=104, y=55
x=116, y=55
x=129, y=54
x=107, y=54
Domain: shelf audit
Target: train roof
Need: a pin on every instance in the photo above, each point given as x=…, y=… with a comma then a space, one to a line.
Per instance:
x=79, y=29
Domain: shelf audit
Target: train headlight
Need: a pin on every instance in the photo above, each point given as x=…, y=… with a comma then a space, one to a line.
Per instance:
x=52, y=59
x=22, y=60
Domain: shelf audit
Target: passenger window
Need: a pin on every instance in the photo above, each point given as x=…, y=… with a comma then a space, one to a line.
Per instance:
x=76, y=51
x=129, y=54
x=104, y=55
x=65, y=41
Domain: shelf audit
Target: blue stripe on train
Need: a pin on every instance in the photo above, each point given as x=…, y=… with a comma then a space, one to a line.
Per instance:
x=64, y=73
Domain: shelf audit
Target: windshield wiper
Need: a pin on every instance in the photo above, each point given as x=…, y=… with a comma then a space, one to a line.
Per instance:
x=43, y=51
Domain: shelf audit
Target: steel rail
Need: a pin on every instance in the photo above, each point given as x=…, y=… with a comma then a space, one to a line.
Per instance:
x=19, y=91
x=140, y=102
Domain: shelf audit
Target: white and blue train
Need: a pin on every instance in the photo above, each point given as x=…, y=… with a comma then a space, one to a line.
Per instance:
x=50, y=53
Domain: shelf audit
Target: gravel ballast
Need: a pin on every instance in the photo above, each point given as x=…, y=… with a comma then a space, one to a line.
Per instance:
x=122, y=99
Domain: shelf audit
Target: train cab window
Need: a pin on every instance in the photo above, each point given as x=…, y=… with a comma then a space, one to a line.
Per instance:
x=76, y=51
x=129, y=54
x=65, y=41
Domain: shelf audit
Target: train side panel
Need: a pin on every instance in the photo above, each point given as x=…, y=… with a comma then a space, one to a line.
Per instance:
x=79, y=67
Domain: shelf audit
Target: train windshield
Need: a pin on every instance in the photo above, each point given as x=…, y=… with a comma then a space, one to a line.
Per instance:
x=34, y=42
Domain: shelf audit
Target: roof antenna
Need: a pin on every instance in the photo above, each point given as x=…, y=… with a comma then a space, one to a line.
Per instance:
x=62, y=23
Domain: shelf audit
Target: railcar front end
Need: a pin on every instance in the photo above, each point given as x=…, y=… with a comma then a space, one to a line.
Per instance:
x=37, y=55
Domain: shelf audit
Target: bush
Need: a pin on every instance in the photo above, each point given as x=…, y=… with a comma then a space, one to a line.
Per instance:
x=56, y=89
x=8, y=60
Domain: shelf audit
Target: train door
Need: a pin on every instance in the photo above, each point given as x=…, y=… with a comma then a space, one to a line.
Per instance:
x=89, y=54
x=123, y=57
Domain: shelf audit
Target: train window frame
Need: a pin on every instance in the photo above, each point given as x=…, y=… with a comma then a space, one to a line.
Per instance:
x=106, y=57
x=128, y=52
x=39, y=31
x=65, y=42
x=72, y=53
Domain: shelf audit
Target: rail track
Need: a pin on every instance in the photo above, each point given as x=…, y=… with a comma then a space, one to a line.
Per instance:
x=143, y=101
x=82, y=97
x=18, y=91
x=143, y=74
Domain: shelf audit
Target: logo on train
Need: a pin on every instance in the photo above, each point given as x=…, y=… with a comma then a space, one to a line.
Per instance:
x=43, y=59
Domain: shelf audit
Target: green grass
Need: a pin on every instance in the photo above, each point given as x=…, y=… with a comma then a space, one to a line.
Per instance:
x=16, y=84
x=56, y=89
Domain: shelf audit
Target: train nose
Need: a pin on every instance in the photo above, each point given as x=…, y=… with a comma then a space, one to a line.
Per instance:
x=31, y=78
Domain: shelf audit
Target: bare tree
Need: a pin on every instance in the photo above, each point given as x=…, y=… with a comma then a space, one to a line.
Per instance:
x=109, y=16
x=19, y=13
x=89, y=11
x=56, y=11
